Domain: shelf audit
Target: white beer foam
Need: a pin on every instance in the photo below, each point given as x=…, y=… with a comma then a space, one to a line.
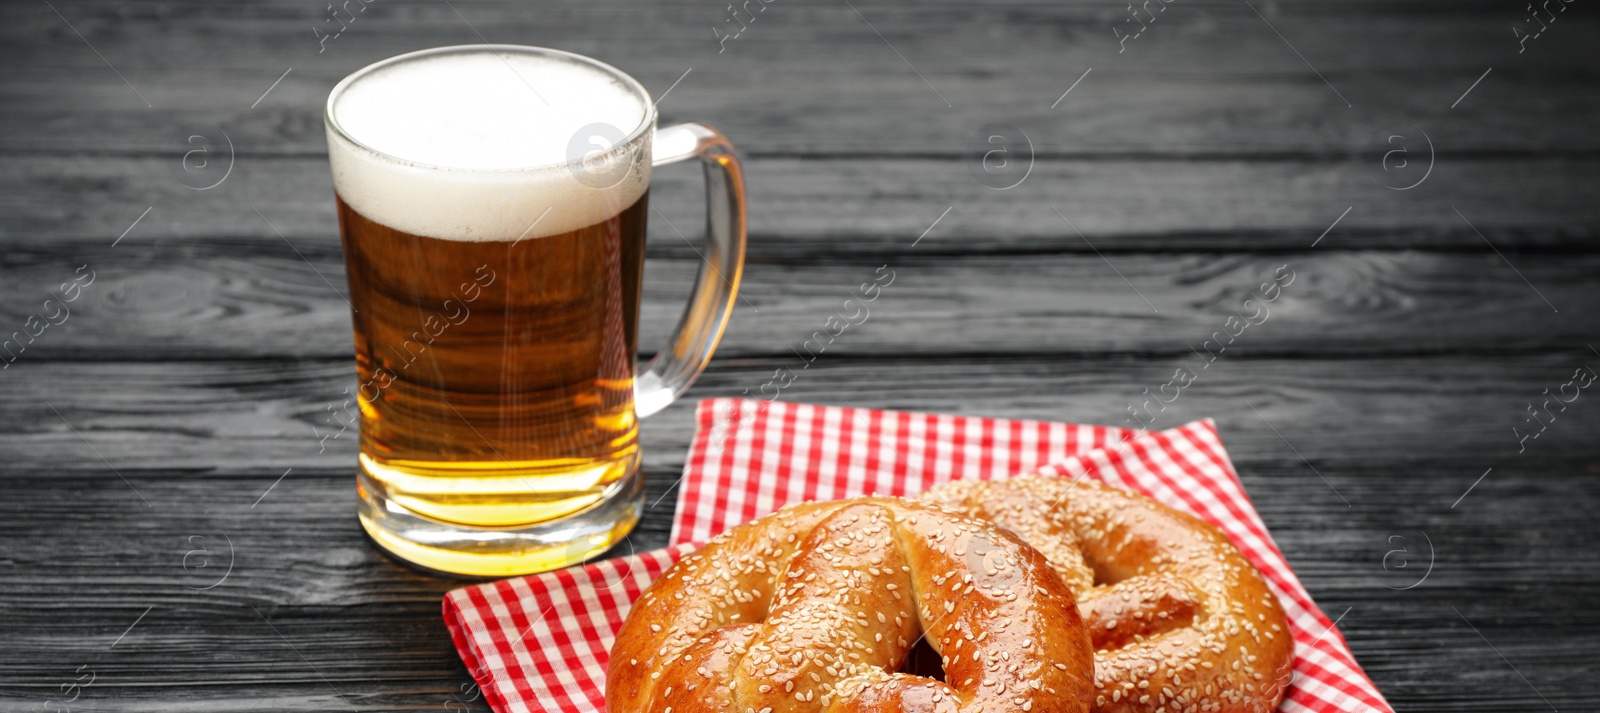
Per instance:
x=473, y=145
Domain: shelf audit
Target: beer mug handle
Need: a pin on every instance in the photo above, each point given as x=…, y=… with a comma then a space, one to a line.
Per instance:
x=689, y=348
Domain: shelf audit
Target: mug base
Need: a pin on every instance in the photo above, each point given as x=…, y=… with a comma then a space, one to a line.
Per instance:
x=457, y=549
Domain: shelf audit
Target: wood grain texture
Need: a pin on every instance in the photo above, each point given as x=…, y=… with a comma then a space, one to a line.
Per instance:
x=810, y=209
x=1206, y=78
x=368, y=627
x=258, y=417
x=260, y=298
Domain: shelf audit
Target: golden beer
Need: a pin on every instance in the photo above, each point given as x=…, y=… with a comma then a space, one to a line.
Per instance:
x=497, y=383
x=492, y=205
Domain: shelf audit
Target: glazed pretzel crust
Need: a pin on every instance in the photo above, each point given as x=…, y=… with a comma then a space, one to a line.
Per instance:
x=816, y=607
x=1180, y=620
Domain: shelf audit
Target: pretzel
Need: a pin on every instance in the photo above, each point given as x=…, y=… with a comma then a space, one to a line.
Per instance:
x=816, y=608
x=1179, y=619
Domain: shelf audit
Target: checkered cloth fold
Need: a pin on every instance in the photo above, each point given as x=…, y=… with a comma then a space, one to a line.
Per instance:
x=539, y=643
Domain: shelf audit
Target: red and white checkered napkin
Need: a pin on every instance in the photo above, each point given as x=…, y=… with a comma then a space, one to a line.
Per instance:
x=539, y=643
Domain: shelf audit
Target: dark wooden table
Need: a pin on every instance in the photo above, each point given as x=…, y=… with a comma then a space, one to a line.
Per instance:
x=177, y=525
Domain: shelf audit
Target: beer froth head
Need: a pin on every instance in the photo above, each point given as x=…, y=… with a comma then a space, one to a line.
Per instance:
x=489, y=143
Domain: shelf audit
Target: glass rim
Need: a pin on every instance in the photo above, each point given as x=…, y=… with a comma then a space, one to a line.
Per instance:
x=646, y=122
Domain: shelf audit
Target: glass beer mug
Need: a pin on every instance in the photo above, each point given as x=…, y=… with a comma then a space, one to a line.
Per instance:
x=492, y=204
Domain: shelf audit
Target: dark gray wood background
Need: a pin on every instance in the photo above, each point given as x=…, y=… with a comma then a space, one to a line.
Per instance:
x=151, y=557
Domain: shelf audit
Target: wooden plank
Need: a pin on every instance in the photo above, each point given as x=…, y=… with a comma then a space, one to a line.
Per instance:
x=369, y=628
x=296, y=545
x=256, y=418
x=260, y=298
x=815, y=79
x=1111, y=114
x=803, y=208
